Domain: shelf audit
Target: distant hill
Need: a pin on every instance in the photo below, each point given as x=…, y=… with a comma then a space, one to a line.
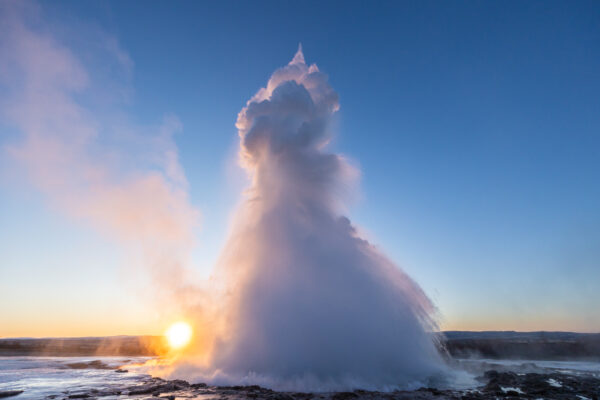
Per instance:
x=513, y=335
x=523, y=345
x=84, y=346
x=458, y=344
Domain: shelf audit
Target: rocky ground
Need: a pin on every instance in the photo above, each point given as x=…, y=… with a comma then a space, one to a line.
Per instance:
x=494, y=385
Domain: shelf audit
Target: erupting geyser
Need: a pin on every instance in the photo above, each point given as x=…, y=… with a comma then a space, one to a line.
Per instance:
x=309, y=304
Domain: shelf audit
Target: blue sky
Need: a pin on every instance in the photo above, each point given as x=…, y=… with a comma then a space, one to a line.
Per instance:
x=476, y=127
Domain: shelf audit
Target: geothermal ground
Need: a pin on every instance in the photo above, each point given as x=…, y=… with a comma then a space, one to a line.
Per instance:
x=487, y=365
x=492, y=385
x=495, y=384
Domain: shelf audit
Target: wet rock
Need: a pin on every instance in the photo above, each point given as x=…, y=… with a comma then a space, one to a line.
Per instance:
x=434, y=391
x=158, y=386
x=279, y=396
x=534, y=385
x=108, y=392
x=243, y=388
x=302, y=395
x=10, y=393
x=344, y=396
x=143, y=389
x=96, y=364
x=180, y=383
x=495, y=385
x=471, y=396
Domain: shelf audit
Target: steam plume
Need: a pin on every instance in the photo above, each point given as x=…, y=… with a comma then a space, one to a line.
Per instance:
x=92, y=164
x=310, y=305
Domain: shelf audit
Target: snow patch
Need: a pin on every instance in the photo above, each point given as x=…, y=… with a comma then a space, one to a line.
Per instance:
x=554, y=383
x=513, y=389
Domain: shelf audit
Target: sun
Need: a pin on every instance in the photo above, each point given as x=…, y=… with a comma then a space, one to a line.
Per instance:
x=179, y=334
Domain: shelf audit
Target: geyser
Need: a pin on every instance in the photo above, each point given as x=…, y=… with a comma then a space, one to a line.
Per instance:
x=309, y=304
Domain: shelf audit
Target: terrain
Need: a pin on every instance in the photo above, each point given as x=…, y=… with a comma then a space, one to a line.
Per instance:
x=494, y=385
x=458, y=344
x=523, y=345
x=500, y=365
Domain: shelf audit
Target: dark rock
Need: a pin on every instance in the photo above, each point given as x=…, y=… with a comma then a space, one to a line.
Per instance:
x=181, y=383
x=226, y=390
x=143, y=389
x=302, y=395
x=536, y=385
x=10, y=393
x=96, y=364
x=344, y=396
x=495, y=384
x=433, y=391
x=279, y=396
x=158, y=386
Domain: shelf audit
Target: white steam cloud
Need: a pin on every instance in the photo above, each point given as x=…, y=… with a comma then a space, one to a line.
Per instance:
x=309, y=304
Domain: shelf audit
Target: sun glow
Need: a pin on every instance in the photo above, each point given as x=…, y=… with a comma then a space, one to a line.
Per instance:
x=179, y=334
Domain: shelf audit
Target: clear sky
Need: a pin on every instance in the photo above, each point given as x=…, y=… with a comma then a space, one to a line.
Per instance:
x=476, y=127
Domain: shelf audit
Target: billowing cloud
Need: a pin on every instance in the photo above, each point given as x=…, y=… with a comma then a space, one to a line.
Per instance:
x=307, y=303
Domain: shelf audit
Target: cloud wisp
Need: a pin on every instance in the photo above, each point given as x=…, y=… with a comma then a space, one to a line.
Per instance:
x=83, y=155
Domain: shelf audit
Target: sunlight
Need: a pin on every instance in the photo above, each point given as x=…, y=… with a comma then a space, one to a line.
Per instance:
x=179, y=334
